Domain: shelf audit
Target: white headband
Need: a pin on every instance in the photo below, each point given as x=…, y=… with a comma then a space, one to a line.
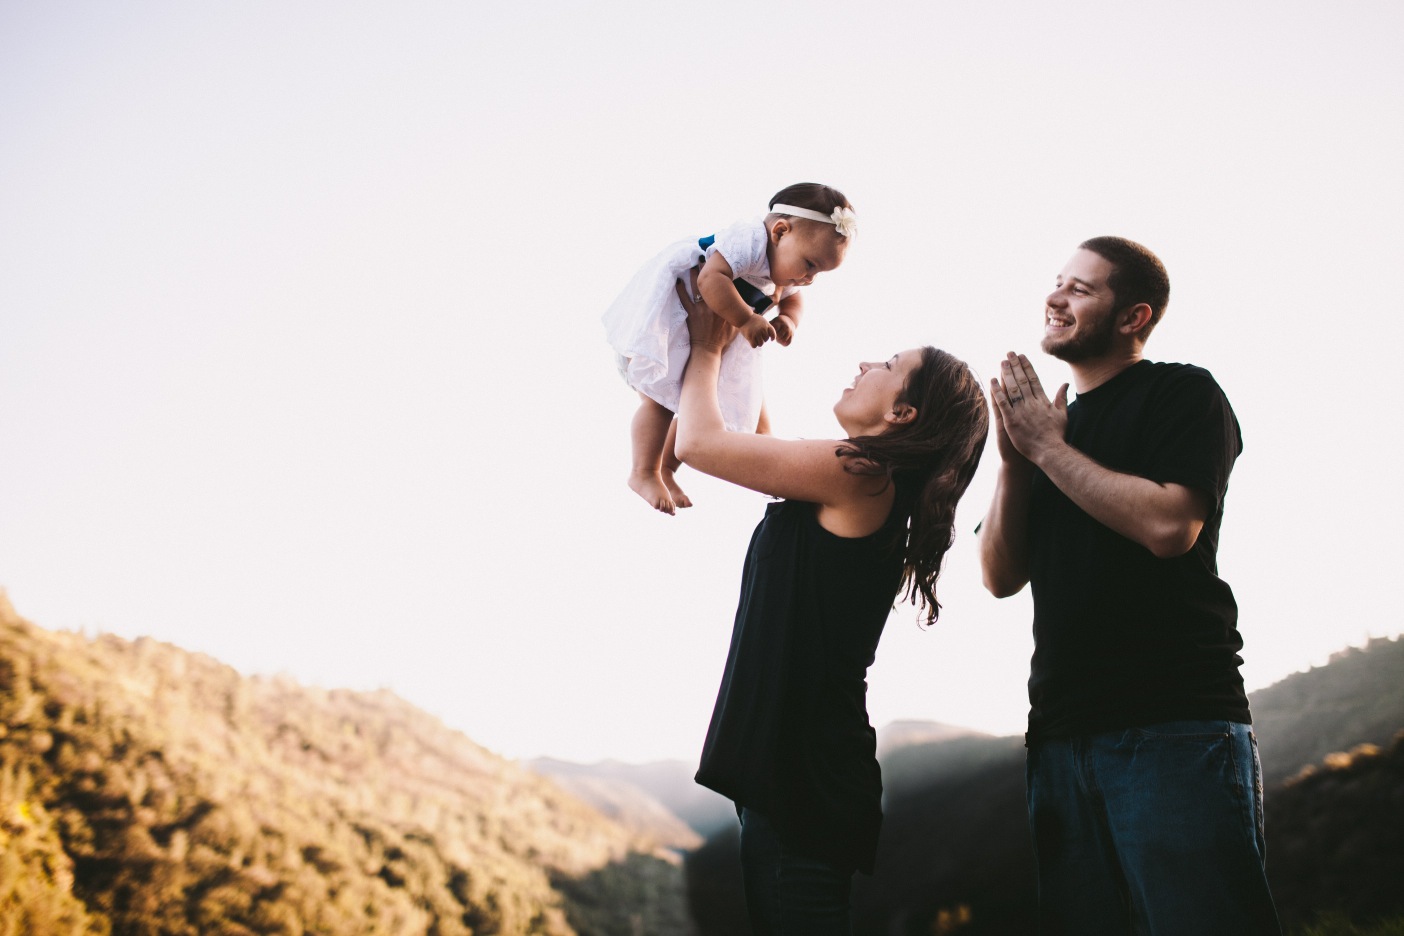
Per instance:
x=843, y=218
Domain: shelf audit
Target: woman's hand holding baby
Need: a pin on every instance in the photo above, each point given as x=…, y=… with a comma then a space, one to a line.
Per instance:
x=707, y=330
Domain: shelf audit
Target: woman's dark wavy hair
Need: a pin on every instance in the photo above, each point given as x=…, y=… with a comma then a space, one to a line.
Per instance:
x=931, y=460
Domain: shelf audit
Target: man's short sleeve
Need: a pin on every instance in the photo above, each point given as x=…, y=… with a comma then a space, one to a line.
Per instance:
x=1193, y=437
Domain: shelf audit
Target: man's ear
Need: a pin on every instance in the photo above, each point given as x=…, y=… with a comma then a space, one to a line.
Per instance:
x=900, y=414
x=1134, y=319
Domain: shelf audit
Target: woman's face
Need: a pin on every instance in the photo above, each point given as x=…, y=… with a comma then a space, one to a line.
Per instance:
x=867, y=407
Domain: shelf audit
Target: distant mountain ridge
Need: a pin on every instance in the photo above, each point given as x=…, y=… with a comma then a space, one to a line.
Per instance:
x=1356, y=698
x=147, y=789
x=908, y=732
x=634, y=793
x=668, y=783
x=653, y=799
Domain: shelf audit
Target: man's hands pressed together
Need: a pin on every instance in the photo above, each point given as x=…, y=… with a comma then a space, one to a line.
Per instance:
x=1029, y=425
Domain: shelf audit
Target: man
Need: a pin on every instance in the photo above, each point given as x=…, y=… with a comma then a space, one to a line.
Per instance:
x=1144, y=789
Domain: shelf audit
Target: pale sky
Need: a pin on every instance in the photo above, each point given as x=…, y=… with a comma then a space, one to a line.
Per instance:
x=301, y=363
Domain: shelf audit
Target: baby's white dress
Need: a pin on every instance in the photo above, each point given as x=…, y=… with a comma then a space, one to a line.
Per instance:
x=647, y=325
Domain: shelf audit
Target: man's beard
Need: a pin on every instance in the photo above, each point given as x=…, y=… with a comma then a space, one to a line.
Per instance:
x=1090, y=344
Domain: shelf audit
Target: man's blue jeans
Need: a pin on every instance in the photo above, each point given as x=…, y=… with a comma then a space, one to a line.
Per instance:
x=1156, y=830
x=788, y=893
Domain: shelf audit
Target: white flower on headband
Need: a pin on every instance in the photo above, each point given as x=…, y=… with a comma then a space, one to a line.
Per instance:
x=845, y=221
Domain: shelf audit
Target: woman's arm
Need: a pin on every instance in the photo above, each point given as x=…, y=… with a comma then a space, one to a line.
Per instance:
x=795, y=470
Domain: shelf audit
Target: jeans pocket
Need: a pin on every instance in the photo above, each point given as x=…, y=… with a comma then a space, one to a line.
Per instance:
x=1207, y=743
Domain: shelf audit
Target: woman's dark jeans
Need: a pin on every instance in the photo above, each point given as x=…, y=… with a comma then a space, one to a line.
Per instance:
x=788, y=893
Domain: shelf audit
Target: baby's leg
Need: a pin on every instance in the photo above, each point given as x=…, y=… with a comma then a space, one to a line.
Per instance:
x=763, y=423
x=650, y=433
x=671, y=464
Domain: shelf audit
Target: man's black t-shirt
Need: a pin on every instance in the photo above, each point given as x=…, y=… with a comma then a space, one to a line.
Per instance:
x=1123, y=638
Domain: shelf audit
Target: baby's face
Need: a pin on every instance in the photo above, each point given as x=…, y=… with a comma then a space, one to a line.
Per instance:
x=800, y=250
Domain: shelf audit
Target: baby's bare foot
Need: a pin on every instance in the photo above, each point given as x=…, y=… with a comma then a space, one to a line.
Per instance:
x=679, y=496
x=649, y=485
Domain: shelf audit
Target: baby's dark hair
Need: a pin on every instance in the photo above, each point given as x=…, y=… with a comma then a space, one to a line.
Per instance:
x=811, y=195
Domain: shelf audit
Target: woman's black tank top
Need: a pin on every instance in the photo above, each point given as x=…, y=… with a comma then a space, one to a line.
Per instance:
x=789, y=735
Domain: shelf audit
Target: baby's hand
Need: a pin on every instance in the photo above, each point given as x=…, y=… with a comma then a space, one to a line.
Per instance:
x=757, y=330
x=784, y=329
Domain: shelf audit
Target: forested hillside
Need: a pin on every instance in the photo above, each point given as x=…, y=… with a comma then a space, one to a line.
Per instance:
x=144, y=789
x=1336, y=838
x=1357, y=698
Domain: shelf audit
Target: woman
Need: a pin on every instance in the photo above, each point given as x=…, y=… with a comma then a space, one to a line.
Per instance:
x=862, y=518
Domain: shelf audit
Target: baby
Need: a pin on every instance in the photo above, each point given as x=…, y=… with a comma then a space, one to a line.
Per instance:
x=745, y=269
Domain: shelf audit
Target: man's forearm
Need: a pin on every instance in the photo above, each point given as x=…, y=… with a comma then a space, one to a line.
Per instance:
x=1164, y=518
x=1004, y=533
